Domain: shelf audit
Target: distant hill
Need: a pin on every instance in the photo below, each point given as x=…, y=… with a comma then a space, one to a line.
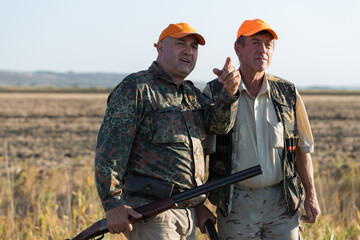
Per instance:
x=99, y=80
x=54, y=79
x=69, y=79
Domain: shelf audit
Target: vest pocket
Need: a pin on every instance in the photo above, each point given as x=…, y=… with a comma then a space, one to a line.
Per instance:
x=294, y=193
x=294, y=189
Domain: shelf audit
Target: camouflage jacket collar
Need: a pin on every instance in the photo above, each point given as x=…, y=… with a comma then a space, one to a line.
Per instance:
x=162, y=75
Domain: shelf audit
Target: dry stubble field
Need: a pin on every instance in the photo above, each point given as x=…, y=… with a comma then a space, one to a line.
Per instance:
x=47, y=142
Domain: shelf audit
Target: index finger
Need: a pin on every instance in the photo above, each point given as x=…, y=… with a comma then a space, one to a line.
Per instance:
x=227, y=63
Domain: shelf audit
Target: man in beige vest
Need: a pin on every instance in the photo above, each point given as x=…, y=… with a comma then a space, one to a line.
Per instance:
x=265, y=207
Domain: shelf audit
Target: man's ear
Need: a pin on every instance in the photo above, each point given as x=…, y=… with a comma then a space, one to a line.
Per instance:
x=160, y=47
x=237, y=48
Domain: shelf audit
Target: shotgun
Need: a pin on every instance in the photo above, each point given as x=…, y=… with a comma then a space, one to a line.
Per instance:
x=149, y=210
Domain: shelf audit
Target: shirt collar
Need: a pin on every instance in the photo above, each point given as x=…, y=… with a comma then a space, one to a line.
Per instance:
x=266, y=86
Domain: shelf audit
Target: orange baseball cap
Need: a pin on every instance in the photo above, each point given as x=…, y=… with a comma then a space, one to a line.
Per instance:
x=251, y=27
x=180, y=30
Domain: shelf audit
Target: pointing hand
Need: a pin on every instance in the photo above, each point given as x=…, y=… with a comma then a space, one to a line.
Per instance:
x=229, y=76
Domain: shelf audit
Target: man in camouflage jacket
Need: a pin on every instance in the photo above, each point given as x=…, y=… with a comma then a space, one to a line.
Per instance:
x=271, y=129
x=152, y=128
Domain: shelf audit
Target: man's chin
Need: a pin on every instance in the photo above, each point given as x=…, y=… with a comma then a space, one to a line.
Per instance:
x=262, y=68
x=186, y=72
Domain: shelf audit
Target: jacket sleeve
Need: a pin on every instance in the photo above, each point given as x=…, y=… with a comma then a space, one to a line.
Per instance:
x=115, y=138
x=209, y=143
x=220, y=115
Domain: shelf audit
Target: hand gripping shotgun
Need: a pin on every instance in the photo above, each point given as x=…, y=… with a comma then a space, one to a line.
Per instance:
x=149, y=210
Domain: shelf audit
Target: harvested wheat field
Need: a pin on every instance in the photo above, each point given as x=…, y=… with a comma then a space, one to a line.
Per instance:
x=47, y=142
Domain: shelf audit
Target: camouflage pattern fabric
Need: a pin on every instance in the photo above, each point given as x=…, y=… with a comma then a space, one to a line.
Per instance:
x=284, y=100
x=259, y=214
x=154, y=127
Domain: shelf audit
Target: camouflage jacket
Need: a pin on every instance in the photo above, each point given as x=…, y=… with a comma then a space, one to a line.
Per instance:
x=283, y=96
x=154, y=127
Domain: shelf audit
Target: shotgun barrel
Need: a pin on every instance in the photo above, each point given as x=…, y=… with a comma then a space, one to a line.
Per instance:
x=210, y=230
x=100, y=227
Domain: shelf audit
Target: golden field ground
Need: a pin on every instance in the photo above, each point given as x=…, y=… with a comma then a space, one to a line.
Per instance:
x=47, y=142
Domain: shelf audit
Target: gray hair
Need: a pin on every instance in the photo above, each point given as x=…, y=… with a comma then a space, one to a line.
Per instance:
x=241, y=39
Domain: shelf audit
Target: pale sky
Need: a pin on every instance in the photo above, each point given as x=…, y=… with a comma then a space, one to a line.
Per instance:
x=316, y=47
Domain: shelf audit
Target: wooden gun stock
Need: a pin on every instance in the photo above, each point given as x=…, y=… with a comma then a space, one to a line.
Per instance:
x=149, y=210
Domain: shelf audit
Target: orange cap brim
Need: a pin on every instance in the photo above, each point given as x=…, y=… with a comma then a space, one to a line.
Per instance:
x=250, y=33
x=200, y=39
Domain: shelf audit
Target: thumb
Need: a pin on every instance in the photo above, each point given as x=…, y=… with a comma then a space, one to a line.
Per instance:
x=309, y=215
x=134, y=213
x=217, y=72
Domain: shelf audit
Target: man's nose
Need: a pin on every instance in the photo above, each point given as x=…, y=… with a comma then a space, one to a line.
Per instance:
x=261, y=47
x=188, y=49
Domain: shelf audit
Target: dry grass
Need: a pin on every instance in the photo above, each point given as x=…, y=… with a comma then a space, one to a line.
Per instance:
x=47, y=142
